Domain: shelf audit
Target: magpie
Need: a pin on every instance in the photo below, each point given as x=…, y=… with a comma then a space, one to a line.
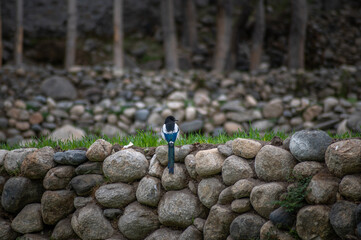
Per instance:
x=170, y=131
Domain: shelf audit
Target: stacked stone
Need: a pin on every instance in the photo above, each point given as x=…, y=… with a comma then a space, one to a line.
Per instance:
x=114, y=106
x=227, y=192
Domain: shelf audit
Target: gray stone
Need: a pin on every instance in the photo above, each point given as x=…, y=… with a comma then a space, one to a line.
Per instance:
x=56, y=205
x=125, y=166
x=179, y=208
x=15, y=158
x=2, y=157
x=273, y=109
x=83, y=184
x=183, y=152
x=322, y=189
x=306, y=169
x=209, y=162
x=342, y=219
x=274, y=164
x=354, y=123
x=89, y=168
x=149, y=191
x=63, y=230
x=245, y=148
x=89, y=223
x=155, y=168
x=190, y=162
x=235, y=168
x=6, y=232
x=263, y=196
x=282, y=218
x=142, y=115
x=209, y=190
x=99, y=150
x=30, y=236
x=116, y=195
x=191, y=126
x=269, y=230
x=226, y=196
x=67, y=133
x=71, y=157
x=191, y=233
x=58, y=177
x=343, y=157
x=80, y=202
x=20, y=191
x=176, y=181
x=313, y=222
x=112, y=213
x=138, y=221
x=218, y=222
x=38, y=163
x=225, y=150
x=243, y=188
x=199, y=224
x=58, y=88
x=310, y=145
x=246, y=226
x=28, y=220
x=111, y=131
x=164, y=234
x=241, y=205
x=350, y=187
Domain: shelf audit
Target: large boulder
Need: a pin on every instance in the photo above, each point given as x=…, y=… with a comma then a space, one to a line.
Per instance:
x=176, y=181
x=71, y=157
x=313, y=222
x=342, y=218
x=20, y=191
x=350, y=187
x=138, y=221
x=116, y=195
x=125, y=166
x=218, y=221
x=343, y=157
x=99, y=150
x=246, y=226
x=209, y=190
x=179, y=208
x=274, y=164
x=235, y=168
x=38, y=163
x=308, y=145
x=28, y=220
x=13, y=159
x=89, y=223
x=149, y=191
x=209, y=162
x=58, y=178
x=245, y=148
x=56, y=205
x=322, y=189
x=58, y=88
x=263, y=196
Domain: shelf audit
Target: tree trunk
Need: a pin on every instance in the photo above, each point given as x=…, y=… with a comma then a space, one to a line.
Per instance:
x=239, y=33
x=71, y=35
x=297, y=34
x=224, y=32
x=1, y=40
x=190, y=25
x=19, y=34
x=118, y=37
x=257, y=37
x=169, y=35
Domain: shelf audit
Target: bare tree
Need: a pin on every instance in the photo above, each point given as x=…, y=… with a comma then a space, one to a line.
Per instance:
x=224, y=32
x=297, y=34
x=169, y=35
x=1, y=40
x=71, y=35
x=190, y=25
x=257, y=37
x=19, y=34
x=118, y=37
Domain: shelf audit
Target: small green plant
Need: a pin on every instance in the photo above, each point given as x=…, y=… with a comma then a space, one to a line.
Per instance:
x=295, y=197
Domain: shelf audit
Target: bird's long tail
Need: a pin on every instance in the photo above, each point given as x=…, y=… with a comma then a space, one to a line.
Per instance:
x=171, y=157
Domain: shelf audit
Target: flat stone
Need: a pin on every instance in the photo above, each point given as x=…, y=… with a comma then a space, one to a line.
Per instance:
x=164, y=234
x=209, y=162
x=71, y=157
x=89, y=168
x=245, y=148
x=191, y=126
x=84, y=184
x=116, y=195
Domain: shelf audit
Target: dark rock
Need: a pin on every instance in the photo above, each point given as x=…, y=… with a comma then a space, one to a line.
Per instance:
x=58, y=88
x=63, y=230
x=342, y=218
x=191, y=233
x=20, y=191
x=89, y=168
x=192, y=126
x=112, y=213
x=28, y=220
x=142, y=115
x=354, y=123
x=246, y=226
x=116, y=195
x=71, y=157
x=282, y=218
x=358, y=214
x=58, y=177
x=6, y=232
x=83, y=184
x=164, y=234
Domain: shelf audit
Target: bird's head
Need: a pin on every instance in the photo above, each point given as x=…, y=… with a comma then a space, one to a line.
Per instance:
x=170, y=119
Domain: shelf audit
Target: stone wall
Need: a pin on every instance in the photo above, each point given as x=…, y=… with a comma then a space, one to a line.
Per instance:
x=216, y=192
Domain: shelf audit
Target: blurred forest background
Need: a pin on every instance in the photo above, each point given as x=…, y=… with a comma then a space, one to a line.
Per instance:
x=215, y=35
